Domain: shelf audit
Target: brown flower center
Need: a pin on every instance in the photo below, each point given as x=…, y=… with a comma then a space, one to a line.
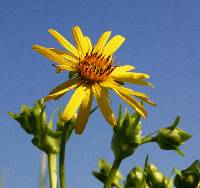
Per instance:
x=95, y=67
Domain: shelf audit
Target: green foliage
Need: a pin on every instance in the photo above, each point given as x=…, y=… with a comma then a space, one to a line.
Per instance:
x=104, y=169
x=147, y=177
x=33, y=121
x=188, y=178
x=126, y=139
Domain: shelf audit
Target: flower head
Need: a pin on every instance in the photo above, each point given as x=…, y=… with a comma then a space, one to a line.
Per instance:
x=95, y=75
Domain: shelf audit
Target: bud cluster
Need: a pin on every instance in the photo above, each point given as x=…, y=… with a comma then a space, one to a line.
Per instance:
x=149, y=177
x=33, y=121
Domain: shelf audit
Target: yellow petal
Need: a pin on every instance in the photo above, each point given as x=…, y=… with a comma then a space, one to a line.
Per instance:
x=113, y=45
x=84, y=111
x=103, y=104
x=102, y=41
x=62, y=89
x=120, y=69
x=133, y=103
x=88, y=43
x=74, y=103
x=131, y=78
x=53, y=56
x=80, y=41
x=65, y=55
x=64, y=42
x=147, y=101
x=60, y=68
x=122, y=89
x=129, y=75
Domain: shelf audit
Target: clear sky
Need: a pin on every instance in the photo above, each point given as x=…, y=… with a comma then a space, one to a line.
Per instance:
x=162, y=39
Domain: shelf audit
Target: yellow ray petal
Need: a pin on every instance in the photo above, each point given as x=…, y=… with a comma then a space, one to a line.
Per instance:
x=64, y=42
x=120, y=69
x=147, y=101
x=113, y=45
x=80, y=41
x=53, y=56
x=88, y=43
x=102, y=41
x=74, y=103
x=84, y=111
x=66, y=55
x=129, y=75
x=103, y=104
x=131, y=79
x=62, y=89
x=133, y=103
x=122, y=89
x=60, y=68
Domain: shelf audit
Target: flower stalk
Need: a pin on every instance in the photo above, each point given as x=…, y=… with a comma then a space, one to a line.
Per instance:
x=112, y=172
x=62, y=165
x=52, y=170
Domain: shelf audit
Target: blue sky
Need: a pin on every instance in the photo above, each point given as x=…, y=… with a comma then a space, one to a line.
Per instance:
x=162, y=39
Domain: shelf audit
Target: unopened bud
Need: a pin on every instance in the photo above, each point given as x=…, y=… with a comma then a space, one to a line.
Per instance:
x=127, y=135
x=188, y=178
x=171, y=138
x=155, y=178
x=135, y=178
x=31, y=119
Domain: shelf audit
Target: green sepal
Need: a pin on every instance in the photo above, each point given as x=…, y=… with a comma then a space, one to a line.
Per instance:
x=72, y=74
x=175, y=123
x=52, y=133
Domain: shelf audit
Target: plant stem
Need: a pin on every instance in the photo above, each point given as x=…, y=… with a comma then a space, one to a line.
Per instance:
x=147, y=139
x=62, y=163
x=65, y=136
x=52, y=170
x=112, y=172
x=43, y=169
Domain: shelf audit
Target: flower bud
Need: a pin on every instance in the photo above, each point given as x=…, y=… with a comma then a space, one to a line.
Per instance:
x=127, y=135
x=135, y=178
x=33, y=121
x=171, y=138
x=155, y=178
x=188, y=178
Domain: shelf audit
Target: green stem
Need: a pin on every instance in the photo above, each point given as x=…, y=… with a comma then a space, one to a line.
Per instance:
x=52, y=170
x=112, y=172
x=147, y=139
x=65, y=136
x=62, y=162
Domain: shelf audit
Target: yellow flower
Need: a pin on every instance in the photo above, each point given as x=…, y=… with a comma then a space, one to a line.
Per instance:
x=95, y=74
